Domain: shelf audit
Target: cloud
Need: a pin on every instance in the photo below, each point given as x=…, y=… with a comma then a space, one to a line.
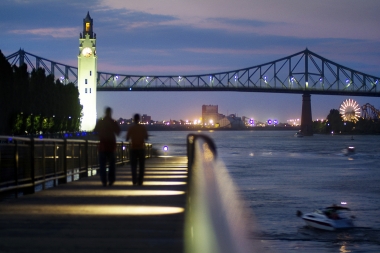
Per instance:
x=128, y=20
x=234, y=51
x=296, y=18
x=68, y=32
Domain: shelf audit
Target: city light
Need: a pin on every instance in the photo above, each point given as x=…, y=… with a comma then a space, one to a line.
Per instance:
x=294, y=122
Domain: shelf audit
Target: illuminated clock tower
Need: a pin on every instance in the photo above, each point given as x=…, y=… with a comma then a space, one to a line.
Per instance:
x=87, y=74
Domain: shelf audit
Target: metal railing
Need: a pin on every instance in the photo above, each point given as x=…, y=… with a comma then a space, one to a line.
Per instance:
x=27, y=164
x=217, y=219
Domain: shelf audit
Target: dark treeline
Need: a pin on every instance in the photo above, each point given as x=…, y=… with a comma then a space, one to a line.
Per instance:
x=33, y=103
x=335, y=124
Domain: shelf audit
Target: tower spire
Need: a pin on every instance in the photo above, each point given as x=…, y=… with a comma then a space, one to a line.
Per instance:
x=88, y=26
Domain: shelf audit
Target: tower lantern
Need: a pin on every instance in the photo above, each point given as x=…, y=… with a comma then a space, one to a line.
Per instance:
x=87, y=26
x=87, y=74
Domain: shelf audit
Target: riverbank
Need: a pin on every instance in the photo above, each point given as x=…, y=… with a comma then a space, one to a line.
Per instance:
x=201, y=128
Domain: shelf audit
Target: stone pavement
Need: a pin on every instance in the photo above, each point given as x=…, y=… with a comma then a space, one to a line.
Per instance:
x=83, y=216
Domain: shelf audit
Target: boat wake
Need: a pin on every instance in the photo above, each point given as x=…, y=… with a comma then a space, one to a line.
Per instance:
x=306, y=233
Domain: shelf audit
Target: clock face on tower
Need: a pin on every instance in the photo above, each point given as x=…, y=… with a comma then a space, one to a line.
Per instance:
x=86, y=52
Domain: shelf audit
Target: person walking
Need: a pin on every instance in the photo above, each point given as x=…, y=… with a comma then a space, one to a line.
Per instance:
x=107, y=128
x=137, y=133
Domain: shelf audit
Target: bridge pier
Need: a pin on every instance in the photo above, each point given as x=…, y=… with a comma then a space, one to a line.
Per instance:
x=306, y=121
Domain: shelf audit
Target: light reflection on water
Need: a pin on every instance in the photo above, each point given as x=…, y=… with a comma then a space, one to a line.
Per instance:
x=279, y=174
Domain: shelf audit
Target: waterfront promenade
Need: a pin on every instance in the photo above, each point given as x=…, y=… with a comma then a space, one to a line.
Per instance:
x=84, y=216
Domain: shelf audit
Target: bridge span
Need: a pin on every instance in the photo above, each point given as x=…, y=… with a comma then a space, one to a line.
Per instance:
x=304, y=73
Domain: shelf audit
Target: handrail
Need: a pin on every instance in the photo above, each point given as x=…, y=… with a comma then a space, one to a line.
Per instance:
x=217, y=219
x=28, y=162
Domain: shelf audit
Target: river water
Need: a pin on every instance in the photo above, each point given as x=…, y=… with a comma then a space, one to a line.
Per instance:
x=279, y=174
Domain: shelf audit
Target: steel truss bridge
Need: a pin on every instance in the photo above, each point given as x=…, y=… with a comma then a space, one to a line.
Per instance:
x=304, y=73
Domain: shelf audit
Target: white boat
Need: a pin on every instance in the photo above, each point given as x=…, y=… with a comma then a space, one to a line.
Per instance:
x=298, y=134
x=349, y=151
x=329, y=218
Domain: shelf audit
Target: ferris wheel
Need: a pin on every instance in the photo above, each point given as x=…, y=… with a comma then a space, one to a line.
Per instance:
x=350, y=110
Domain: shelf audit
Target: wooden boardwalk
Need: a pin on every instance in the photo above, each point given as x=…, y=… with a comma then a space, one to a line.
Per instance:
x=83, y=216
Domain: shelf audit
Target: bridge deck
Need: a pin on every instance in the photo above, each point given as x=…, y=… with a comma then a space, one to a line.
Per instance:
x=84, y=216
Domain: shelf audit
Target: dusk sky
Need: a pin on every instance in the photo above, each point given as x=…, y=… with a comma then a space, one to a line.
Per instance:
x=183, y=37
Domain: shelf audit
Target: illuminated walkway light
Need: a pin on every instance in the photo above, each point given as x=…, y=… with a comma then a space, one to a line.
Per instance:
x=115, y=193
x=84, y=210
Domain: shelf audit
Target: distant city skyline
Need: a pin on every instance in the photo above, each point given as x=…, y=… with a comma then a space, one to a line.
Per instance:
x=185, y=118
x=189, y=37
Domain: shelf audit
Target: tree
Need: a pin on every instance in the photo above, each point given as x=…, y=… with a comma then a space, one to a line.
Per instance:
x=33, y=103
x=334, y=122
x=6, y=80
x=319, y=127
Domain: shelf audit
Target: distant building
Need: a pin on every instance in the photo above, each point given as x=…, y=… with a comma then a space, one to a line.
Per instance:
x=210, y=115
x=294, y=122
x=231, y=121
x=122, y=121
x=145, y=119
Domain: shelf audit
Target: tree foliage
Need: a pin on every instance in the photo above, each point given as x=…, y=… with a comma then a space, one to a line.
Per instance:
x=334, y=124
x=34, y=102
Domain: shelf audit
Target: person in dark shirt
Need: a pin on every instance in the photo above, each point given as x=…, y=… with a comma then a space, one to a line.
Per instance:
x=107, y=128
x=137, y=134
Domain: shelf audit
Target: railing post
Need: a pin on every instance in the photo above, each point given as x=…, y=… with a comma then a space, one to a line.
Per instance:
x=86, y=157
x=122, y=153
x=190, y=151
x=72, y=162
x=16, y=161
x=79, y=159
x=32, y=158
x=64, y=180
x=43, y=164
x=55, y=163
x=89, y=157
x=127, y=151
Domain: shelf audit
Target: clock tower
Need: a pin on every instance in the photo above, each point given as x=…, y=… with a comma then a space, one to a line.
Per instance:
x=87, y=74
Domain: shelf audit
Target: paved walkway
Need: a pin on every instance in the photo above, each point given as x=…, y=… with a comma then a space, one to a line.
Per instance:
x=84, y=216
